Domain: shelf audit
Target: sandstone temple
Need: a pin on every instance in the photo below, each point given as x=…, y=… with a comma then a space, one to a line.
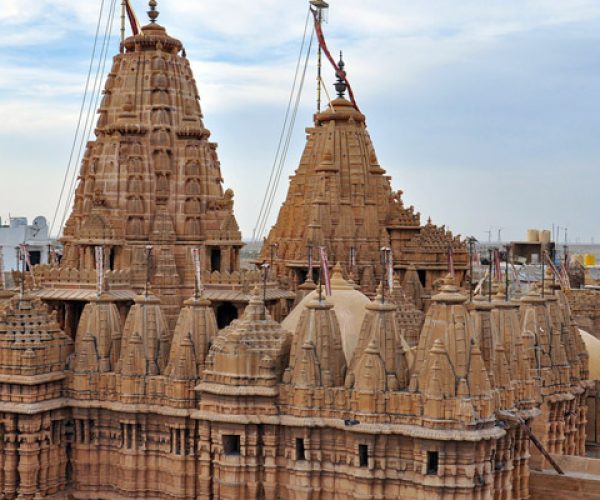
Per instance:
x=126, y=373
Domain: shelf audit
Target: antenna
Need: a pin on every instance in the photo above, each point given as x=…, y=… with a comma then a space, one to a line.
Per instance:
x=320, y=6
x=489, y=233
x=500, y=234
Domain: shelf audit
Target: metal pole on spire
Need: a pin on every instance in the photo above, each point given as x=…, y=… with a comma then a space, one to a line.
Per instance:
x=320, y=6
x=123, y=8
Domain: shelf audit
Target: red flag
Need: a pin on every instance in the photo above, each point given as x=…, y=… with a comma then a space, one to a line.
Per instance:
x=323, y=45
x=133, y=20
x=325, y=270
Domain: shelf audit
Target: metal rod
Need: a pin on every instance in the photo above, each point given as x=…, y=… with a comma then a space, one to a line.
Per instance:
x=540, y=447
x=122, y=21
x=266, y=274
x=319, y=66
x=22, y=284
x=490, y=252
x=471, y=243
x=310, y=262
x=543, y=273
x=506, y=277
x=148, y=259
x=320, y=278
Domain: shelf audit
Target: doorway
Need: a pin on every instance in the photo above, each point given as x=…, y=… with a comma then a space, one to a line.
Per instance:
x=226, y=313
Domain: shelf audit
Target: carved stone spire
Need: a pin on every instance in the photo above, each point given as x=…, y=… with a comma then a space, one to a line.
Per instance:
x=252, y=351
x=341, y=198
x=381, y=335
x=100, y=322
x=151, y=176
x=318, y=330
x=197, y=324
x=146, y=326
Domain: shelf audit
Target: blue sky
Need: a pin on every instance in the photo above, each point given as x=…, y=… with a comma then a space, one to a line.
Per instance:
x=486, y=114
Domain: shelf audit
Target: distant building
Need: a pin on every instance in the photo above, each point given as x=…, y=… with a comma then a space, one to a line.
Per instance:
x=20, y=231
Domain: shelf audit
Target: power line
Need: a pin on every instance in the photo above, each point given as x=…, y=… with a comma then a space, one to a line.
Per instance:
x=274, y=168
x=84, y=100
x=92, y=105
x=287, y=143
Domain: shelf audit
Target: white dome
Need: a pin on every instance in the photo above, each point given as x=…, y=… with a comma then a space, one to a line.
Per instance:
x=348, y=305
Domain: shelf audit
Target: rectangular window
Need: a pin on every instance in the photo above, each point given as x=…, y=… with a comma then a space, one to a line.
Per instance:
x=363, y=455
x=432, y=463
x=231, y=444
x=300, y=450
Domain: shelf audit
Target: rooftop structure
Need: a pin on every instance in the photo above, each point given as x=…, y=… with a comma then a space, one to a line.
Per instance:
x=18, y=231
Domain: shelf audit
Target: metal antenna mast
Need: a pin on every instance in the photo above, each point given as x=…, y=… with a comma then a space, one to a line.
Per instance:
x=320, y=6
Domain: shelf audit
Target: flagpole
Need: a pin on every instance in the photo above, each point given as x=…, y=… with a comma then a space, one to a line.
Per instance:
x=319, y=5
x=123, y=20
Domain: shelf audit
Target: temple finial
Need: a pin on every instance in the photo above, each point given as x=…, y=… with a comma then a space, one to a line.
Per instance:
x=153, y=13
x=340, y=85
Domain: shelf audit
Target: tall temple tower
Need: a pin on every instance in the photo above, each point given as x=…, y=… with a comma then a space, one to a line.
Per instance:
x=342, y=199
x=151, y=178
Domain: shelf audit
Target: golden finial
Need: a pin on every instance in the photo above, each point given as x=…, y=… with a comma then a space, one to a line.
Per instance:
x=153, y=13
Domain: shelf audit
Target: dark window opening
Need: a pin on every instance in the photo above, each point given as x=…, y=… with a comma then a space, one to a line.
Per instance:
x=215, y=260
x=231, y=444
x=432, y=463
x=180, y=441
x=363, y=455
x=75, y=309
x=226, y=313
x=131, y=436
x=422, y=276
x=35, y=256
x=301, y=275
x=300, y=450
x=111, y=259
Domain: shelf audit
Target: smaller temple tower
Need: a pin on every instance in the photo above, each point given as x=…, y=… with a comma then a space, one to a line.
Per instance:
x=341, y=198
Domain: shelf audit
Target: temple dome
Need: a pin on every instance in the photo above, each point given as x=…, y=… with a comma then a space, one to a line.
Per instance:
x=348, y=305
x=592, y=345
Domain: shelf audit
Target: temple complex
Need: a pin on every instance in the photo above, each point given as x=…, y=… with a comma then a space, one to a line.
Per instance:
x=123, y=381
